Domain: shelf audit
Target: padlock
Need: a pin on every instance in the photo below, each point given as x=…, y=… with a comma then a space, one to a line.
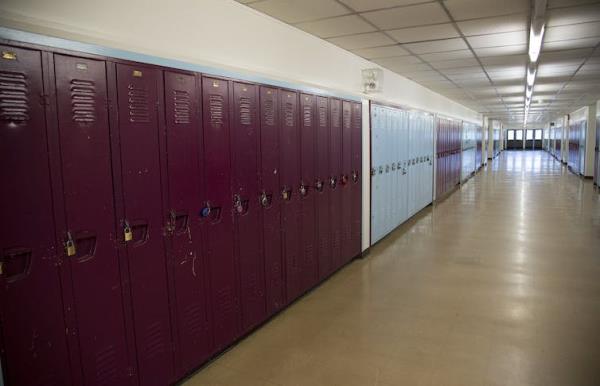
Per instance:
x=332, y=182
x=70, y=245
x=285, y=194
x=355, y=176
x=264, y=200
x=302, y=190
x=128, y=234
x=237, y=204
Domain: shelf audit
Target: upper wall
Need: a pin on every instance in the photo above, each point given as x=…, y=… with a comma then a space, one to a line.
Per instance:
x=220, y=34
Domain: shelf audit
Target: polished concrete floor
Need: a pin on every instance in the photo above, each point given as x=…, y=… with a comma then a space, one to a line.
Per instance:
x=497, y=285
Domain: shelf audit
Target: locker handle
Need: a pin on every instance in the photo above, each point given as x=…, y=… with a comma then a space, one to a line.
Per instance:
x=319, y=185
x=286, y=193
x=265, y=199
x=355, y=176
x=332, y=182
x=211, y=212
x=343, y=180
x=240, y=205
x=15, y=264
x=136, y=232
x=81, y=244
x=179, y=222
x=303, y=189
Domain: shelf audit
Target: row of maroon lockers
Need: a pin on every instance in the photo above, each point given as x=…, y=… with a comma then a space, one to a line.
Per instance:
x=150, y=216
x=448, y=149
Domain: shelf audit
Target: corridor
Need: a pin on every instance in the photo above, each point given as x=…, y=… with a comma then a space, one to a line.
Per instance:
x=496, y=285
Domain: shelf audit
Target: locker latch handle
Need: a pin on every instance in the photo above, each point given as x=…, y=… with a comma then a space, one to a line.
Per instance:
x=70, y=248
x=332, y=182
x=265, y=199
x=344, y=180
x=240, y=205
x=303, y=189
x=286, y=194
x=209, y=211
x=179, y=222
x=393, y=167
x=319, y=185
x=373, y=171
x=354, y=176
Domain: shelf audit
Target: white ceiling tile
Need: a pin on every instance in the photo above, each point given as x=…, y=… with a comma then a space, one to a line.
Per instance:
x=367, y=5
x=542, y=86
x=494, y=25
x=343, y=25
x=506, y=50
x=417, y=34
x=580, y=53
x=398, y=61
x=472, y=9
x=454, y=63
x=507, y=60
x=573, y=15
x=381, y=52
x=415, y=15
x=503, y=90
x=546, y=70
x=461, y=70
x=450, y=55
x=403, y=68
x=293, y=11
x=437, y=46
x=572, y=31
x=424, y=76
x=371, y=39
x=570, y=44
x=498, y=40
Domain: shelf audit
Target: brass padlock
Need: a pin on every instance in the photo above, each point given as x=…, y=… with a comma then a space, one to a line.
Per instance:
x=127, y=233
x=70, y=245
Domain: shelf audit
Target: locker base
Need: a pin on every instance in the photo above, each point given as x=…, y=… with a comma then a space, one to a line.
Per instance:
x=249, y=332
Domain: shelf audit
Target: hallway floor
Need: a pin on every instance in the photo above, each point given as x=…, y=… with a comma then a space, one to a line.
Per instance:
x=499, y=284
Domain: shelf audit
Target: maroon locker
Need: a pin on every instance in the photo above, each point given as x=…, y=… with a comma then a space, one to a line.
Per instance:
x=310, y=269
x=88, y=219
x=187, y=265
x=335, y=171
x=218, y=212
x=245, y=168
x=289, y=141
x=345, y=183
x=34, y=346
x=143, y=220
x=322, y=191
x=355, y=181
x=270, y=198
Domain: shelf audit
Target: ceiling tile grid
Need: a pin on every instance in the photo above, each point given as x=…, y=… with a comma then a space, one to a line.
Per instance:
x=472, y=51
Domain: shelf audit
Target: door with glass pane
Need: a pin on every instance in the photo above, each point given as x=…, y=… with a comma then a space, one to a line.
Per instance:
x=511, y=142
x=538, y=136
x=529, y=135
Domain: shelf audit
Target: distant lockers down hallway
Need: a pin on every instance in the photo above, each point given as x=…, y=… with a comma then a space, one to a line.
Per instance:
x=152, y=216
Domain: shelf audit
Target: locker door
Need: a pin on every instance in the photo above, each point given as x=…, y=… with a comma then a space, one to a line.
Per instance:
x=346, y=197
x=217, y=212
x=356, y=180
x=387, y=144
x=310, y=269
x=270, y=198
x=138, y=96
x=374, y=134
x=89, y=218
x=187, y=262
x=335, y=170
x=404, y=138
x=322, y=191
x=393, y=173
x=30, y=292
x=290, y=184
x=245, y=155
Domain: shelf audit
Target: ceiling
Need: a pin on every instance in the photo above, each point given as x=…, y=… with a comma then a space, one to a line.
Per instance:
x=472, y=51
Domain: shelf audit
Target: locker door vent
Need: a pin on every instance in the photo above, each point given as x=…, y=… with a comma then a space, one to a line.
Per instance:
x=335, y=122
x=83, y=101
x=216, y=110
x=14, y=97
x=139, y=109
x=289, y=114
x=347, y=118
x=322, y=116
x=192, y=319
x=224, y=305
x=154, y=341
x=245, y=111
x=269, y=112
x=106, y=367
x=181, y=107
x=307, y=116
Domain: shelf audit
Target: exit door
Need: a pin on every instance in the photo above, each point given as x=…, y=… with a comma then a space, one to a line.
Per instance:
x=538, y=136
x=514, y=139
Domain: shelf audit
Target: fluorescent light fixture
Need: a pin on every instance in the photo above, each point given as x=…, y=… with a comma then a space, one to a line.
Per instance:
x=531, y=76
x=528, y=92
x=535, y=42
